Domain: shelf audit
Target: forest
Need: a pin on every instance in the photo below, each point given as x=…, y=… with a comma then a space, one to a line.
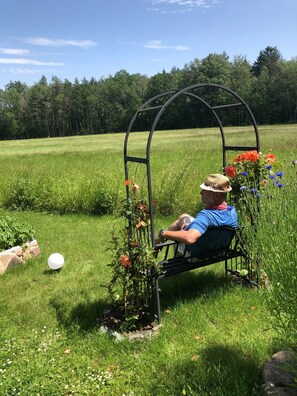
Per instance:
x=106, y=105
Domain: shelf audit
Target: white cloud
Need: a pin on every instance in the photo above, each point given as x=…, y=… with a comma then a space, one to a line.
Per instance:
x=13, y=51
x=19, y=70
x=23, y=61
x=157, y=44
x=181, y=6
x=162, y=11
x=46, y=42
x=188, y=3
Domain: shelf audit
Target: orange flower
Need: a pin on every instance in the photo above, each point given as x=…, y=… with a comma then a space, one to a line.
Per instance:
x=231, y=171
x=251, y=156
x=270, y=158
x=125, y=261
x=127, y=182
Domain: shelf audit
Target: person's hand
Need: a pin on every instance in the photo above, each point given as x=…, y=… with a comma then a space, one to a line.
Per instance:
x=160, y=238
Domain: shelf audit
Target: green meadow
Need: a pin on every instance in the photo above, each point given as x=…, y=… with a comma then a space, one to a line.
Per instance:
x=215, y=334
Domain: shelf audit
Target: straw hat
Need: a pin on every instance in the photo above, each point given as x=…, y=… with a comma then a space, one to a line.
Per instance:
x=217, y=183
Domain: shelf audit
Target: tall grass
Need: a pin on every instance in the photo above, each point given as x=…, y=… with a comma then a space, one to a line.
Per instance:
x=278, y=238
x=85, y=174
x=215, y=335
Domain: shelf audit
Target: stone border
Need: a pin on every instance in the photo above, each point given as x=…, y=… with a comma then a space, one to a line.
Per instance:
x=18, y=255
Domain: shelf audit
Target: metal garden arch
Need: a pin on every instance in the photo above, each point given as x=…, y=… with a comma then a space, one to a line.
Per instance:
x=221, y=104
x=223, y=99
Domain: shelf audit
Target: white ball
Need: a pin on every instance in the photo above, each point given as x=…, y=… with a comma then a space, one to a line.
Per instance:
x=55, y=261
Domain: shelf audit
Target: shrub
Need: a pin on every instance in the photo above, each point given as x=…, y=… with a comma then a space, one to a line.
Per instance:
x=13, y=232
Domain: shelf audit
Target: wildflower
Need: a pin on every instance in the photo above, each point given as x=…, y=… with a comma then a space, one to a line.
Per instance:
x=244, y=173
x=127, y=182
x=242, y=188
x=231, y=171
x=280, y=185
x=280, y=174
x=253, y=190
x=272, y=176
x=268, y=167
x=125, y=261
x=135, y=186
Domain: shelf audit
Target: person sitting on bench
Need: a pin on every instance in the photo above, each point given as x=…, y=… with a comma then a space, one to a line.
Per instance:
x=190, y=232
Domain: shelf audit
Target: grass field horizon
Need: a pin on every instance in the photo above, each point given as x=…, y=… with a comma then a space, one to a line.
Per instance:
x=215, y=335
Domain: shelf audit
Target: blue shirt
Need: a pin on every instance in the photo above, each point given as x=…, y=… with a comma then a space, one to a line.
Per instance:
x=212, y=218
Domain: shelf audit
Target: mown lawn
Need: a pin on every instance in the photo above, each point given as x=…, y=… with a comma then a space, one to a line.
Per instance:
x=215, y=335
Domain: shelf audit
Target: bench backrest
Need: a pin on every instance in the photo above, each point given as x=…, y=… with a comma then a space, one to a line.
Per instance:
x=213, y=240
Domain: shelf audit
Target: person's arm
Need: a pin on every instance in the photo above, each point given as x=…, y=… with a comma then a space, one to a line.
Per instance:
x=186, y=237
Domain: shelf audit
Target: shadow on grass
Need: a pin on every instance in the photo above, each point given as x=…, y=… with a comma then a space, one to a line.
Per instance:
x=218, y=371
x=184, y=287
x=191, y=285
x=84, y=315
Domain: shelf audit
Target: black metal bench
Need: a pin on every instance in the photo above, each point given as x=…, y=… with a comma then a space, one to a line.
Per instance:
x=173, y=263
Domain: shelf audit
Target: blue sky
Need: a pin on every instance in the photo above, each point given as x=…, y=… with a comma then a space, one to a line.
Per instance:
x=96, y=38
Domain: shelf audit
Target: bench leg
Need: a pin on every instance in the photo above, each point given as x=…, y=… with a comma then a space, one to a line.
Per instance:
x=158, y=300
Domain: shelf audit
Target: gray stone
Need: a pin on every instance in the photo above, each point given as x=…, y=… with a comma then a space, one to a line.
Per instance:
x=277, y=377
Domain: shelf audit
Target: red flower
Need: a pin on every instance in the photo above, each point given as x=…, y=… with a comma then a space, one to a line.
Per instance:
x=231, y=171
x=127, y=182
x=125, y=261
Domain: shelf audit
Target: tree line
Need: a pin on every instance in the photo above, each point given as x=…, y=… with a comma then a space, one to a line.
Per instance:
x=63, y=108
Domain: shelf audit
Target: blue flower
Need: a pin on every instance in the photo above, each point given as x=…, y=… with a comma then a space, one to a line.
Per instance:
x=253, y=190
x=280, y=185
x=242, y=188
x=272, y=176
x=244, y=173
x=280, y=174
x=268, y=167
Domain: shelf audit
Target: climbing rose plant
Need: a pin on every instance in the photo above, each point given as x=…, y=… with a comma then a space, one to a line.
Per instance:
x=133, y=261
